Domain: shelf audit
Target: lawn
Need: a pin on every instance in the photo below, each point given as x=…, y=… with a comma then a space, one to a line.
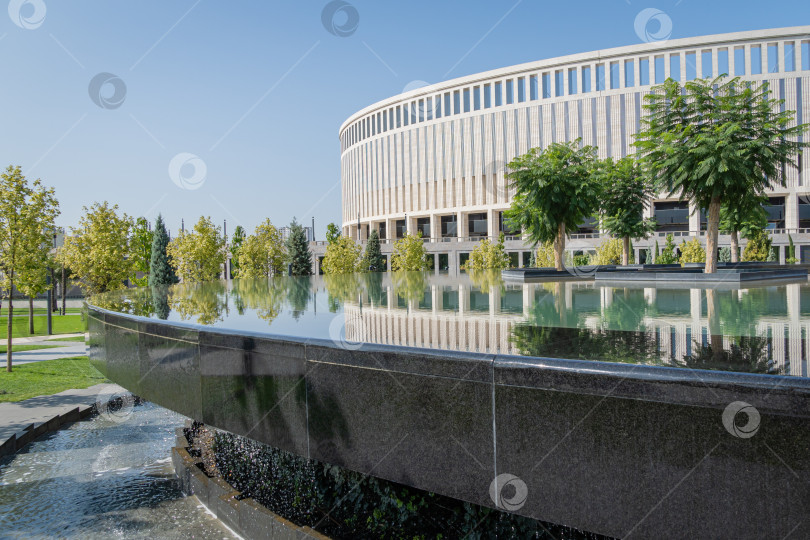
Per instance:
x=62, y=324
x=22, y=309
x=47, y=377
x=21, y=348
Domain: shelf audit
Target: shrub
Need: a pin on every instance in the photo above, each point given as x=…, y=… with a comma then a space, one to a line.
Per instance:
x=609, y=252
x=487, y=255
x=758, y=247
x=544, y=257
x=582, y=259
x=409, y=254
x=725, y=255
x=668, y=254
x=692, y=252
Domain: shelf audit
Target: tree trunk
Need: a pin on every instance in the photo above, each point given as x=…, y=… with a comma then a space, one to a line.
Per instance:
x=735, y=247
x=63, y=286
x=54, y=305
x=559, y=248
x=10, y=327
x=711, y=235
x=31, y=315
x=625, y=251
x=715, y=330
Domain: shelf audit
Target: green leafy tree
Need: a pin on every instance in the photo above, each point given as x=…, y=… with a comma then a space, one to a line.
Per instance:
x=27, y=216
x=717, y=140
x=332, y=233
x=554, y=193
x=625, y=193
x=758, y=247
x=98, y=250
x=409, y=254
x=198, y=255
x=373, y=259
x=343, y=256
x=236, y=242
x=692, y=252
x=791, y=254
x=608, y=252
x=742, y=218
x=668, y=254
x=544, y=255
x=262, y=254
x=298, y=251
x=488, y=255
x=141, y=251
x=161, y=273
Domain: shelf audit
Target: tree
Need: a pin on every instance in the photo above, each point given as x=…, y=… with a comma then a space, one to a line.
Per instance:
x=27, y=216
x=298, y=251
x=409, y=254
x=332, y=233
x=625, y=194
x=262, y=254
x=554, y=193
x=668, y=254
x=791, y=254
x=657, y=253
x=236, y=242
x=200, y=254
x=373, y=260
x=692, y=252
x=715, y=140
x=608, y=252
x=742, y=217
x=161, y=273
x=342, y=256
x=544, y=255
x=98, y=250
x=140, y=246
x=488, y=255
x=758, y=247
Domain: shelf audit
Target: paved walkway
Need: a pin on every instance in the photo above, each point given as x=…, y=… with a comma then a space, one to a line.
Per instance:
x=66, y=349
x=15, y=417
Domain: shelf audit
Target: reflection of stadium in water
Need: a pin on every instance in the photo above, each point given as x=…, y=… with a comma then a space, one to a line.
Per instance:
x=761, y=329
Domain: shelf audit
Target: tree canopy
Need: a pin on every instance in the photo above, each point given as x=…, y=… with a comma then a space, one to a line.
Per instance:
x=373, y=259
x=409, y=254
x=198, y=255
x=343, y=256
x=161, y=272
x=141, y=251
x=262, y=254
x=298, y=251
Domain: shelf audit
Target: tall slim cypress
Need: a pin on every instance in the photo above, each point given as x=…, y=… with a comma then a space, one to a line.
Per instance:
x=298, y=250
x=160, y=271
x=375, y=262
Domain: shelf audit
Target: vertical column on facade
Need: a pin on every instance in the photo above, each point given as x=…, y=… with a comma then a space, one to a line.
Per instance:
x=797, y=54
x=682, y=55
x=622, y=74
x=667, y=65
x=792, y=210
x=492, y=226
x=390, y=233
x=747, y=60
x=593, y=81
x=694, y=219
x=435, y=229
x=460, y=225
x=763, y=55
x=698, y=62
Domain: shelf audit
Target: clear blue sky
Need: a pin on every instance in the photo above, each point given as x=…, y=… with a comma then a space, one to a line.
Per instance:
x=258, y=90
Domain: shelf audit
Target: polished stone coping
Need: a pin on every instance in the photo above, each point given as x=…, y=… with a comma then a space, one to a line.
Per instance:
x=695, y=275
x=595, y=442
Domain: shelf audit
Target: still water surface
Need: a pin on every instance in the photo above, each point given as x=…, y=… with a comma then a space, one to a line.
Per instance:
x=101, y=478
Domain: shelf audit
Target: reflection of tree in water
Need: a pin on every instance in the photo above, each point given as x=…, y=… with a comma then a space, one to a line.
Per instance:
x=626, y=311
x=137, y=301
x=747, y=354
x=205, y=301
x=487, y=280
x=299, y=294
x=374, y=288
x=341, y=288
x=410, y=285
x=160, y=301
x=266, y=296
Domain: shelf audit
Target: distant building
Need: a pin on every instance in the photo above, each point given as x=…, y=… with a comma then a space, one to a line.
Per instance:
x=286, y=231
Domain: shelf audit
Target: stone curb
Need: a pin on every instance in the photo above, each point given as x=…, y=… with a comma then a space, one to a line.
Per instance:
x=246, y=517
x=15, y=443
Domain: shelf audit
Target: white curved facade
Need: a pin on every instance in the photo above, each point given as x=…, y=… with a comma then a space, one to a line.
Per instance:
x=435, y=156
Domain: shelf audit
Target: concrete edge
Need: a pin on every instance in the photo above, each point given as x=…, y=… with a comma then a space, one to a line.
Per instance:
x=246, y=517
x=17, y=442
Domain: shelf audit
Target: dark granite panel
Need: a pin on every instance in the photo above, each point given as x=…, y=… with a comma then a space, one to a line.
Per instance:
x=437, y=363
x=168, y=331
x=640, y=469
x=121, y=357
x=170, y=374
x=261, y=395
x=96, y=343
x=682, y=386
x=431, y=432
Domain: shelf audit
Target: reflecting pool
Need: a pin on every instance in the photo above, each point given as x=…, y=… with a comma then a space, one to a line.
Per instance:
x=754, y=329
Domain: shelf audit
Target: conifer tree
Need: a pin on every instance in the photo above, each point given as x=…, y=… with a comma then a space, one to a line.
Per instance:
x=373, y=259
x=160, y=271
x=298, y=250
